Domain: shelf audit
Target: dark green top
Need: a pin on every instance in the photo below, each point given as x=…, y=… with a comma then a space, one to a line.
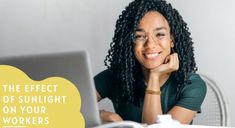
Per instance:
x=191, y=96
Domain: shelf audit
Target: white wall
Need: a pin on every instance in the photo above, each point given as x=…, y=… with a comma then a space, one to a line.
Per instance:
x=212, y=26
x=39, y=26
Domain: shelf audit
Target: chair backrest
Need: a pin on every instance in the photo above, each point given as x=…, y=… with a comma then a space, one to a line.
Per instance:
x=214, y=108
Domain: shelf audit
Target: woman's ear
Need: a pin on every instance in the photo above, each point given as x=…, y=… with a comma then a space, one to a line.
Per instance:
x=172, y=42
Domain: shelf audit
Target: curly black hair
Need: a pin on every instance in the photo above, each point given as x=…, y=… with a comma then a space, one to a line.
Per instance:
x=121, y=59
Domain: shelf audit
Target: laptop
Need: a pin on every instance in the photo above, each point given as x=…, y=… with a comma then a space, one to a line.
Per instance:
x=74, y=66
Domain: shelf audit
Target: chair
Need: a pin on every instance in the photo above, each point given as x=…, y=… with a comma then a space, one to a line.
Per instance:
x=214, y=108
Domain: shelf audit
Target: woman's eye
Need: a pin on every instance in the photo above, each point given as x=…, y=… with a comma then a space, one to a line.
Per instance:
x=160, y=35
x=139, y=37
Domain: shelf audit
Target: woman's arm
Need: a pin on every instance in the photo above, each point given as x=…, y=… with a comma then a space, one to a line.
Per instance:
x=183, y=115
x=98, y=96
x=156, y=78
x=152, y=103
x=107, y=116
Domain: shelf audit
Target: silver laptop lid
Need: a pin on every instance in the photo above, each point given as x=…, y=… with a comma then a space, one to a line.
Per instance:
x=74, y=66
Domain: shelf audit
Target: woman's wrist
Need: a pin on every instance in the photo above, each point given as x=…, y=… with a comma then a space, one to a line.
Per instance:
x=153, y=83
x=153, y=92
x=101, y=111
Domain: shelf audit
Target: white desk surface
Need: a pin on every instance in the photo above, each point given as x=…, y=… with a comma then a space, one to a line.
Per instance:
x=183, y=126
x=137, y=125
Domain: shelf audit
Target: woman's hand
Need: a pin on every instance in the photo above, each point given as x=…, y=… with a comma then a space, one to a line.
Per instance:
x=158, y=75
x=109, y=116
x=170, y=64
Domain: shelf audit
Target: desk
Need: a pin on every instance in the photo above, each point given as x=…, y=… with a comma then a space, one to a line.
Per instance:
x=202, y=126
x=131, y=124
x=183, y=126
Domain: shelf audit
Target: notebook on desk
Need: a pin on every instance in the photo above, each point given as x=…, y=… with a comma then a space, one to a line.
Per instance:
x=74, y=66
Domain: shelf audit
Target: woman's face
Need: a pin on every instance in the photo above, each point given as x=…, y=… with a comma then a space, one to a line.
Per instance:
x=152, y=41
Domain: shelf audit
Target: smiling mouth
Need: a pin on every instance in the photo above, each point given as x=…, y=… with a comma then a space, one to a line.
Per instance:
x=151, y=55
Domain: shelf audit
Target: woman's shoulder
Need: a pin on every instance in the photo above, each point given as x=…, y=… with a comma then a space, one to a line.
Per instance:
x=196, y=83
x=106, y=72
x=196, y=79
x=193, y=93
x=104, y=76
x=104, y=82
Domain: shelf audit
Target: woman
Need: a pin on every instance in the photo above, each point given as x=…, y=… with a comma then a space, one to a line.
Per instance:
x=151, y=66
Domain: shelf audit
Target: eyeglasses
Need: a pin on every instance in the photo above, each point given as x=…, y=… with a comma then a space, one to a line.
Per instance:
x=142, y=37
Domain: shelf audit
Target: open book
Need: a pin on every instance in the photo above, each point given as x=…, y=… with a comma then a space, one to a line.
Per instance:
x=131, y=124
x=164, y=121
